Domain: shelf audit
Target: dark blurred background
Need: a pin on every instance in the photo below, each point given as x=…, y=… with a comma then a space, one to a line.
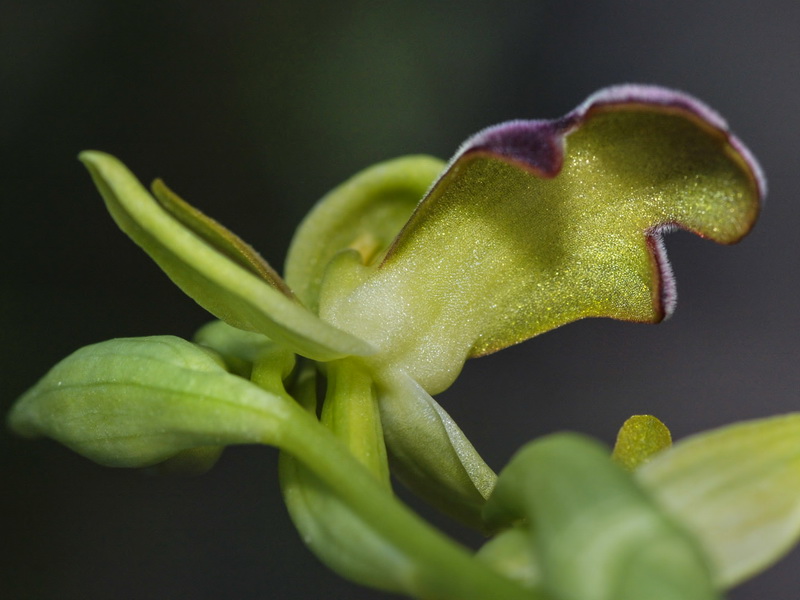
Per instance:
x=252, y=110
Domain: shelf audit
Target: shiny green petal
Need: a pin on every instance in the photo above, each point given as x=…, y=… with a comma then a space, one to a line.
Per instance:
x=537, y=224
x=430, y=454
x=135, y=402
x=738, y=489
x=196, y=254
x=639, y=439
x=364, y=213
x=597, y=534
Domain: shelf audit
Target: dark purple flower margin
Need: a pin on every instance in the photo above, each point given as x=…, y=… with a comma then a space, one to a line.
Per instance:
x=538, y=145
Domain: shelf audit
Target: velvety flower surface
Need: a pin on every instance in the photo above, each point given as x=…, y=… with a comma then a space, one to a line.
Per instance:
x=392, y=282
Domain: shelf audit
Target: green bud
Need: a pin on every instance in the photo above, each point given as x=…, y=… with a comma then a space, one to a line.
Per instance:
x=137, y=402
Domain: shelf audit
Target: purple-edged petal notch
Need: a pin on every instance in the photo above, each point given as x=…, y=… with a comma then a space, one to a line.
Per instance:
x=538, y=223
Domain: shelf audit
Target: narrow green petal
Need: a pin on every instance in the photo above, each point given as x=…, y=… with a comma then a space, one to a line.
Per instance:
x=217, y=236
x=738, y=489
x=220, y=284
x=364, y=213
x=136, y=402
x=598, y=535
x=539, y=223
x=430, y=454
x=639, y=439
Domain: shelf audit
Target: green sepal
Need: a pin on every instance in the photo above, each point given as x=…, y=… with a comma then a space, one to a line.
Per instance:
x=365, y=213
x=738, y=489
x=639, y=439
x=195, y=254
x=136, y=402
x=597, y=534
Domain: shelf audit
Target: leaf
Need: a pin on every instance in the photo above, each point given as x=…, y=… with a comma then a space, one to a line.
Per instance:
x=639, y=439
x=365, y=213
x=596, y=533
x=539, y=223
x=196, y=254
x=737, y=489
x=136, y=402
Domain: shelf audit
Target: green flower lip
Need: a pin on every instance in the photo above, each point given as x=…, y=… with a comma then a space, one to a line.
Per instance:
x=539, y=146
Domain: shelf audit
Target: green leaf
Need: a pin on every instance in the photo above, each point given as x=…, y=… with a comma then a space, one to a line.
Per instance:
x=737, y=489
x=136, y=402
x=364, y=213
x=196, y=254
x=639, y=439
x=597, y=534
x=539, y=223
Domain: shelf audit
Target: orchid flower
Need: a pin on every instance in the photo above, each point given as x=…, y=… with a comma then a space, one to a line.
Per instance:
x=392, y=282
